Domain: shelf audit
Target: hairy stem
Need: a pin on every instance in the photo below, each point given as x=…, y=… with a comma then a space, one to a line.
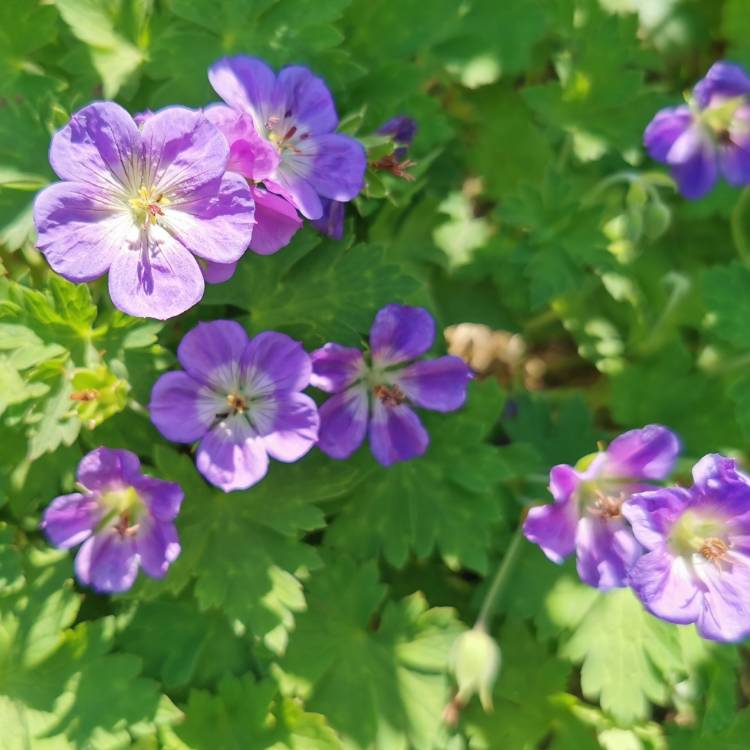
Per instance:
x=501, y=579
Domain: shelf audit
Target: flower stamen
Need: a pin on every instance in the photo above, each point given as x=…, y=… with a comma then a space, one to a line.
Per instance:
x=390, y=395
x=237, y=403
x=149, y=205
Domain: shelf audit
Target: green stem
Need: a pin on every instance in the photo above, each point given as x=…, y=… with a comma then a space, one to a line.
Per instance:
x=738, y=230
x=501, y=578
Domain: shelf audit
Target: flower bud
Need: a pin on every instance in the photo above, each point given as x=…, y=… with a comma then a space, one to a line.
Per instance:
x=475, y=661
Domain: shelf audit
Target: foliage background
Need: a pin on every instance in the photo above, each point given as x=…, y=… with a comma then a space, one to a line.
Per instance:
x=317, y=609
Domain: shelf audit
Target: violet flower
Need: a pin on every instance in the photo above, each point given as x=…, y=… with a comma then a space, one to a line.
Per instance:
x=123, y=520
x=697, y=564
x=709, y=136
x=378, y=393
x=586, y=516
x=240, y=398
x=142, y=204
x=294, y=115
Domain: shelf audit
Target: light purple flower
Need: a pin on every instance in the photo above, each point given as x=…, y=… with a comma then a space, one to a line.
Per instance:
x=240, y=398
x=586, y=516
x=708, y=137
x=123, y=520
x=378, y=393
x=294, y=116
x=142, y=204
x=697, y=564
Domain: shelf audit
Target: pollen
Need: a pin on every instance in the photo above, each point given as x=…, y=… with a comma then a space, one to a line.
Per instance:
x=149, y=205
x=390, y=395
x=237, y=403
x=714, y=549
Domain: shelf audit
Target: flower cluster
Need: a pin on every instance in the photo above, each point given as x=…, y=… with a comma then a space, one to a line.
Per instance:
x=166, y=201
x=240, y=399
x=709, y=136
x=684, y=552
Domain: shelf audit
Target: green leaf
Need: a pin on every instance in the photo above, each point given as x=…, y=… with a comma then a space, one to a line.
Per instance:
x=317, y=291
x=628, y=658
x=244, y=548
x=727, y=294
x=392, y=657
x=114, y=56
x=245, y=714
x=446, y=500
x=201, y=648
x=62, y=684
x=669, y=389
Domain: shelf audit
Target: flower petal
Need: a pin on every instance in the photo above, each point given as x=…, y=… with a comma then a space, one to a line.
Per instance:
x=297, y=190
x=605, y=551
x=107, y=468
x=734, y=162
x=107, y=562
x=553, y=528
x=295, y=428
x=216, y=223
x=232, y=456
x=723, y=79
x=338, y=167
x=396, y=434
x=343, y=422
x=647, y=453
x=245, y=83
x=666, y=127
x=694, y=163
x=336, y=367
x=70, y=519
x=277, y=221
x=160, y=280
x=331, y=221
x=217, y=273
x=158, y=547
x=725, y=615
x=249, y=154
x=79, y=231
x=275, y=363
x=182, y=151
x=211, y=353
x=400, y=333
x=438, y=384
x=652, y=514
x=182, y=408
x=665, y=585
x=306, y=98
x=97, y=146
x=162, y=498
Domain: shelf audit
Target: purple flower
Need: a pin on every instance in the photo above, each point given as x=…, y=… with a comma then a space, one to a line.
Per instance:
x=121, y=518
x=294, y=115
x=697, y=564
x=379, y=393
x=240, y=398
x=708, y=137
x=586, y=516
x=142, y=204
